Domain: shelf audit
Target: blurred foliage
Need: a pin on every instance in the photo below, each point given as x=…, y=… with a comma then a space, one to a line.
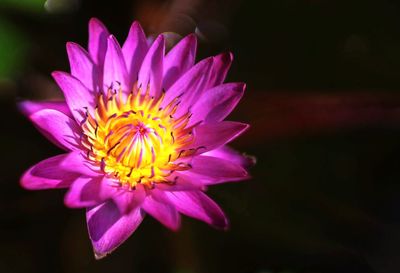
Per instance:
x=13, y=49
x=27, y=5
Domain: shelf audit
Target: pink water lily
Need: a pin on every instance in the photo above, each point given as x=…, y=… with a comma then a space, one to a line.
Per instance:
x=143, y=131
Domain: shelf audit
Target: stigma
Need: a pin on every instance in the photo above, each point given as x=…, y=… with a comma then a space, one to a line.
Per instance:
x=133, y=140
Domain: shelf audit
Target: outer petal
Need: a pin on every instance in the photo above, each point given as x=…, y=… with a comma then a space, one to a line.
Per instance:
x=108, y=227
x=88, y=192
x=222, y=63
x=157, y=205
x=98, y=34
x=28, y=107
x=78, y=97
x=213, y=135
x=134, y=51
x=151, y=71
x=179, y=60
x=230, y=154
x=199, y=206
x=82, y=66
x=114, y=66
x=217, y=103
x=47, y=174
x=58, y=128
x=76, y=162
x=190, y=86
x=128, y=200
x=212, y=170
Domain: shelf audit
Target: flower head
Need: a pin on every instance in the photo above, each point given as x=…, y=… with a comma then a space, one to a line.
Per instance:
x=143, y=131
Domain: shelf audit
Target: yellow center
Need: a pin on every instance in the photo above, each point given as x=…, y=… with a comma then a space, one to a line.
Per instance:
x=134, y=140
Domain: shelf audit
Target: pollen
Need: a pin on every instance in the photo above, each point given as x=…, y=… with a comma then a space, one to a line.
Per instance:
x=134, y=140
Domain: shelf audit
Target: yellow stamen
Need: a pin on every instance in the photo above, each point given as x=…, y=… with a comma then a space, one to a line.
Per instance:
x=134, y=140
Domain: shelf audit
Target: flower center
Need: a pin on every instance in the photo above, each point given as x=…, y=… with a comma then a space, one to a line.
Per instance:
x=134, y=140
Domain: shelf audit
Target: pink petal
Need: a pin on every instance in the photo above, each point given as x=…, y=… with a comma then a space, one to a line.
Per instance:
x=109, y=228
x=28, y=107
x=179, y=60
x=58, y=128
x=82, y=66
x=47, y=174
x=217, y=103
x=198, y=205
x=97, y=46
x=78, y=97
x=88, y=191
x=222, y=63
x=213, y=170
x=134, y=51
x=114, y=67
x=76, y=161
x=127, y=200
x=190, y=86
x=157, y=205
x=230, y=154
x=213, y=135
x=180, y=182
x=151, y=71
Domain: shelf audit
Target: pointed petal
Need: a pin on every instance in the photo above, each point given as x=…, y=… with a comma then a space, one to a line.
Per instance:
x=128, y=200
x=222, y=63
x=212, y=170
x=180, y=59
x=77, y=162
x=77, y=96
x=88, y=191
x=134, y=51
x=151, y=70
x=28, y=107
x=108, y=227
x=213, y=135
x=190, y=86
x=199, y=206
x=82, y=66
x=230, y=154
x=217, y=103
x=157, y=205
x=114, y=67
x=97, y=46
x=47, y=174
x=58, y=128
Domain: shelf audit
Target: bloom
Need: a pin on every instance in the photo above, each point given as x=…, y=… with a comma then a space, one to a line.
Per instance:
x=144, y=132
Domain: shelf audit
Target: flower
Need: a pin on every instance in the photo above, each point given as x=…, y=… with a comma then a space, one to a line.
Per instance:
x=143, y=131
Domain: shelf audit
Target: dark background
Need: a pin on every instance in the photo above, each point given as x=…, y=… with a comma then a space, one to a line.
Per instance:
x=324, y=104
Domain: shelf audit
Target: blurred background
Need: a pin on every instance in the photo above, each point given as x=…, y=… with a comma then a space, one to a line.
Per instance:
x=323, y=99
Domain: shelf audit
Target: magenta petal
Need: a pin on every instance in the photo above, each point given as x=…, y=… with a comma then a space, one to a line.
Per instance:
x=190, y=86
x=128, y=200
x=78, y=97
x=47, y=174
x=222, y=63
x=58, y=128
x=213, y=135
x=217, y=103
x=30, y=107
x=76, y=162
x=108, y=227
x=230, y=154
x=157, y=205
x=134, y=51
x=179, y=60
x=82, y=66
x=198, y=205
x=151, y=71
x=88, y=192
x=180, y=182
x=213, y=170
x=97, y=46
x=115, y=72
